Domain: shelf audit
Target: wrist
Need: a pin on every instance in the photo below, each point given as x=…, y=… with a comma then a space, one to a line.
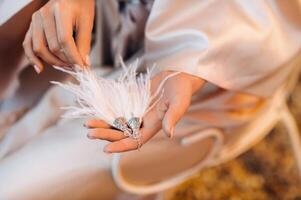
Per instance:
x=193, y=83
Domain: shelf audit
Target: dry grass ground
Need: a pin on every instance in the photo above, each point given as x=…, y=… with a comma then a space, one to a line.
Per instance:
x=267, y=171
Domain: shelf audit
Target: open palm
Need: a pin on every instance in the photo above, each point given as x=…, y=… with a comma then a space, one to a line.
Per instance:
x=175, y=101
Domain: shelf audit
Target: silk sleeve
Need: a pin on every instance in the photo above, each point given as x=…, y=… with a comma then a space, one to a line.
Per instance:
x=232, y=44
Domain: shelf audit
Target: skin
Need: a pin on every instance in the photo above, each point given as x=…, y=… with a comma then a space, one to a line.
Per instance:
x=176, y=99
x=50, y=38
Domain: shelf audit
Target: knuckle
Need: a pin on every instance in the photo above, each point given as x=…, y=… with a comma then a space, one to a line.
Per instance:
x=135, y=145
x=37, y=49
x=34, y=15
x=30, y=60
x=63, y=39
x=25, y=44
x=59, y=6
x=54, y=48
x=43, y=12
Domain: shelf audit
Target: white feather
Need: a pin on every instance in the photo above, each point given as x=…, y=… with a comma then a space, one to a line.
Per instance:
x=129, y=96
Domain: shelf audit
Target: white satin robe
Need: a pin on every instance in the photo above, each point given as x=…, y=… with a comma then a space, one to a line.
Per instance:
x=240, y=47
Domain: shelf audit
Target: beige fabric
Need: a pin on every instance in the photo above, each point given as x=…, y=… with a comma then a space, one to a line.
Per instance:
x=236, y=45
x=240, y=47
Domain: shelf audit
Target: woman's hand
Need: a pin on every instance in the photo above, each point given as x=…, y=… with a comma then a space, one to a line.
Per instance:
x=60, y=34
x=178, y=91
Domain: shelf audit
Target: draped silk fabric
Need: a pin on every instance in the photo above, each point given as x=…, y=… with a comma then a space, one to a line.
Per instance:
x=241, y=48
x=236, y=45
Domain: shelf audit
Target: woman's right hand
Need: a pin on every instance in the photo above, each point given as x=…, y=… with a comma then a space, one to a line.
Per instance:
x=60, y=34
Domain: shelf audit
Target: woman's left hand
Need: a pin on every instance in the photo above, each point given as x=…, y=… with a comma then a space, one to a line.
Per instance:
x=176, y=99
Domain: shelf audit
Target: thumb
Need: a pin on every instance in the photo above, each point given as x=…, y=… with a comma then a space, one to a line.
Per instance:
x=176, y=109
x=83, y=39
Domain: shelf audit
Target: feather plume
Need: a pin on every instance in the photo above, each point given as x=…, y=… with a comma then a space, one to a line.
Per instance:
x=122, y=103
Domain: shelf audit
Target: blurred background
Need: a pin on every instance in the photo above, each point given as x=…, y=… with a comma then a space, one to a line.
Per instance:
x=267, y=171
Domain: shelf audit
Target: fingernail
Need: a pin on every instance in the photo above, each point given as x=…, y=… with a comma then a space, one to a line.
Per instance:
x=88, y=61
x=106, y=151
x=90, y=136
x=37, y=69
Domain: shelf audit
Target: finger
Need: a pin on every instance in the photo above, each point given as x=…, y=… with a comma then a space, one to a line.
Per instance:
x=83, y=36
x=39, y=42
x=49, y=27
x=151, y=125
x=127, y=144
x=106, y=134
x=28, y=49
x=64, y=27
x=175, y=111
x=96, y=123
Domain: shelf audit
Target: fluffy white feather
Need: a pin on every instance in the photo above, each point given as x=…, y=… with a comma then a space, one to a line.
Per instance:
x=122, y=103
